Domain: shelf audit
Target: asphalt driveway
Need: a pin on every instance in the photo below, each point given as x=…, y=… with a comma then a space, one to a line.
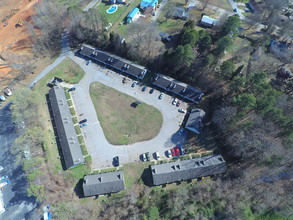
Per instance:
x=101, y=151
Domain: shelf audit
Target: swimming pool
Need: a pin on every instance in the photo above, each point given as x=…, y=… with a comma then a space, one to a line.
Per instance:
x=112, y=9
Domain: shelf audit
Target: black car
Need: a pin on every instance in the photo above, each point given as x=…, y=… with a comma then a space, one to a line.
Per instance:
x=71, y=89
x=83, y=121
x=151, y=91
x=144, y=88
x=116, y=161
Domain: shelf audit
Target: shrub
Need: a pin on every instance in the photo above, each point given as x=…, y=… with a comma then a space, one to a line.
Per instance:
x=78, y=130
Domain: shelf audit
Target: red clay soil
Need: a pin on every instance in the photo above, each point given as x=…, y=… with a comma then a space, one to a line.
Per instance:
x=15, y=40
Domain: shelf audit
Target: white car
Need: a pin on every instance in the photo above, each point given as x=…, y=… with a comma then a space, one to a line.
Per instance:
x=174, y=101
x=161, y=95
x=169, y=153
x=157, y=155
x=2, y=98
x=182, y=110
x=8, y=92
x=143, y=158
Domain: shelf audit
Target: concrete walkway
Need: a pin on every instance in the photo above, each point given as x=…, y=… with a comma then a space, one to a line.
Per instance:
x=98, y=147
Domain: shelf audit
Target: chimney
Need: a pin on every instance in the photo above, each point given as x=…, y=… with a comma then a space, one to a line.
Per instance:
x=119, y=176
x=154, y=170
x=178, y=166
x=100, y=179
x=184, y=90
x=173, y=167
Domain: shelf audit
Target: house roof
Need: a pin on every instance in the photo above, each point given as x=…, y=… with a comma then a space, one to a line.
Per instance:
x=148, y=3
x=133, y=13
x=194, y=122
x=68, y=140
x=114, y=61
x=103, y=183
x=187, y=169
x=177, y=87
x=208, y=20
x=179, y=12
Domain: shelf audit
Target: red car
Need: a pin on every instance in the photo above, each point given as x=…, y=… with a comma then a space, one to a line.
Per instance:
x=173, y=152
x=177, y=151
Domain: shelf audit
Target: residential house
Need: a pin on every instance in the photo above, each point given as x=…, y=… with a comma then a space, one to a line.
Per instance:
x=66, y=134
x=180, y=13
x=187, y=169
x=132, y=16
x=183, y=90
x=208, y=21
x=195, y=121
x=148, y=5
x=281, y=50
x=118, y=63
x=103, y=183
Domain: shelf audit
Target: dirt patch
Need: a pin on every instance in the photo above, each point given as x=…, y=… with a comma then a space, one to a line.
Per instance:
x=122, y=123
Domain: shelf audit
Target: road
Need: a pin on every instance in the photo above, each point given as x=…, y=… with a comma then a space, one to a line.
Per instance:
x=90, y=5
x=17, y=204
x=101, y=151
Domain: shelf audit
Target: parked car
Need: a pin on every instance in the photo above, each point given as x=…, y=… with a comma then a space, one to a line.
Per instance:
x=144, y=88
x=2, y=98
x=83, y=125
x=143, y=158
x=168, y=153
x=173, y=152
x=134, y=84
x=174, y=101
x=181, y=131
x=157, y=155
x=151, y=91
x=83, y=121
x=181, y=150
x=124, y=80
x=178, y=103
x=8, y=92
x=161, y=95
x=148, y=156
x=88, y=62
x=182, y=110
x=71, y=89
x=116, y=161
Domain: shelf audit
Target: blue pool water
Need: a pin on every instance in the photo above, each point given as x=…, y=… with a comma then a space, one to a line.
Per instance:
x=112, y=9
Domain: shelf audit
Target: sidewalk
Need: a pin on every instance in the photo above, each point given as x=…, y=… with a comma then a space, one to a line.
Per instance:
x=2, y=209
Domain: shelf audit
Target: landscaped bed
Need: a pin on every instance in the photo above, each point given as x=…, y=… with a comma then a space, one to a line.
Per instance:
x=121, y=123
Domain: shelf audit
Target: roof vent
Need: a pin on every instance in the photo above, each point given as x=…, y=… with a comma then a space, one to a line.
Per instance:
x=156, y=78
x=174, y=86
x=184, y=90
x=84, y=180
x=125, y=66
x=154, y=170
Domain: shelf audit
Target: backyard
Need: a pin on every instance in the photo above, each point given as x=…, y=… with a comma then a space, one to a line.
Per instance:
x=121, y=122
x=119, y=15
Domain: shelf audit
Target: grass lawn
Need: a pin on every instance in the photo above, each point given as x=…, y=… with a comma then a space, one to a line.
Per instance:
x=118, y=118
x=69, y=71
x=133, y=172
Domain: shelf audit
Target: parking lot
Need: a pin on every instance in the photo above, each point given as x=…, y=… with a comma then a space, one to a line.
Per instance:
x=101, y=151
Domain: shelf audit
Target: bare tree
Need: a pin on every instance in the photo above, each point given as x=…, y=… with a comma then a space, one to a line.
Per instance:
x=204, y=4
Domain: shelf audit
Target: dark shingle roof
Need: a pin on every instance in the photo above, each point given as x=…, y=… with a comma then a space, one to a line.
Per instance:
x=113, y=61
x=103, y=183
x=179, y=88
x=194, y=122
x=187, y=169
x=70, y=146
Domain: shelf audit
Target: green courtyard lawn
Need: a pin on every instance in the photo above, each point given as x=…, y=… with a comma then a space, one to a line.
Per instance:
x=67, y=70
x=118, y=119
